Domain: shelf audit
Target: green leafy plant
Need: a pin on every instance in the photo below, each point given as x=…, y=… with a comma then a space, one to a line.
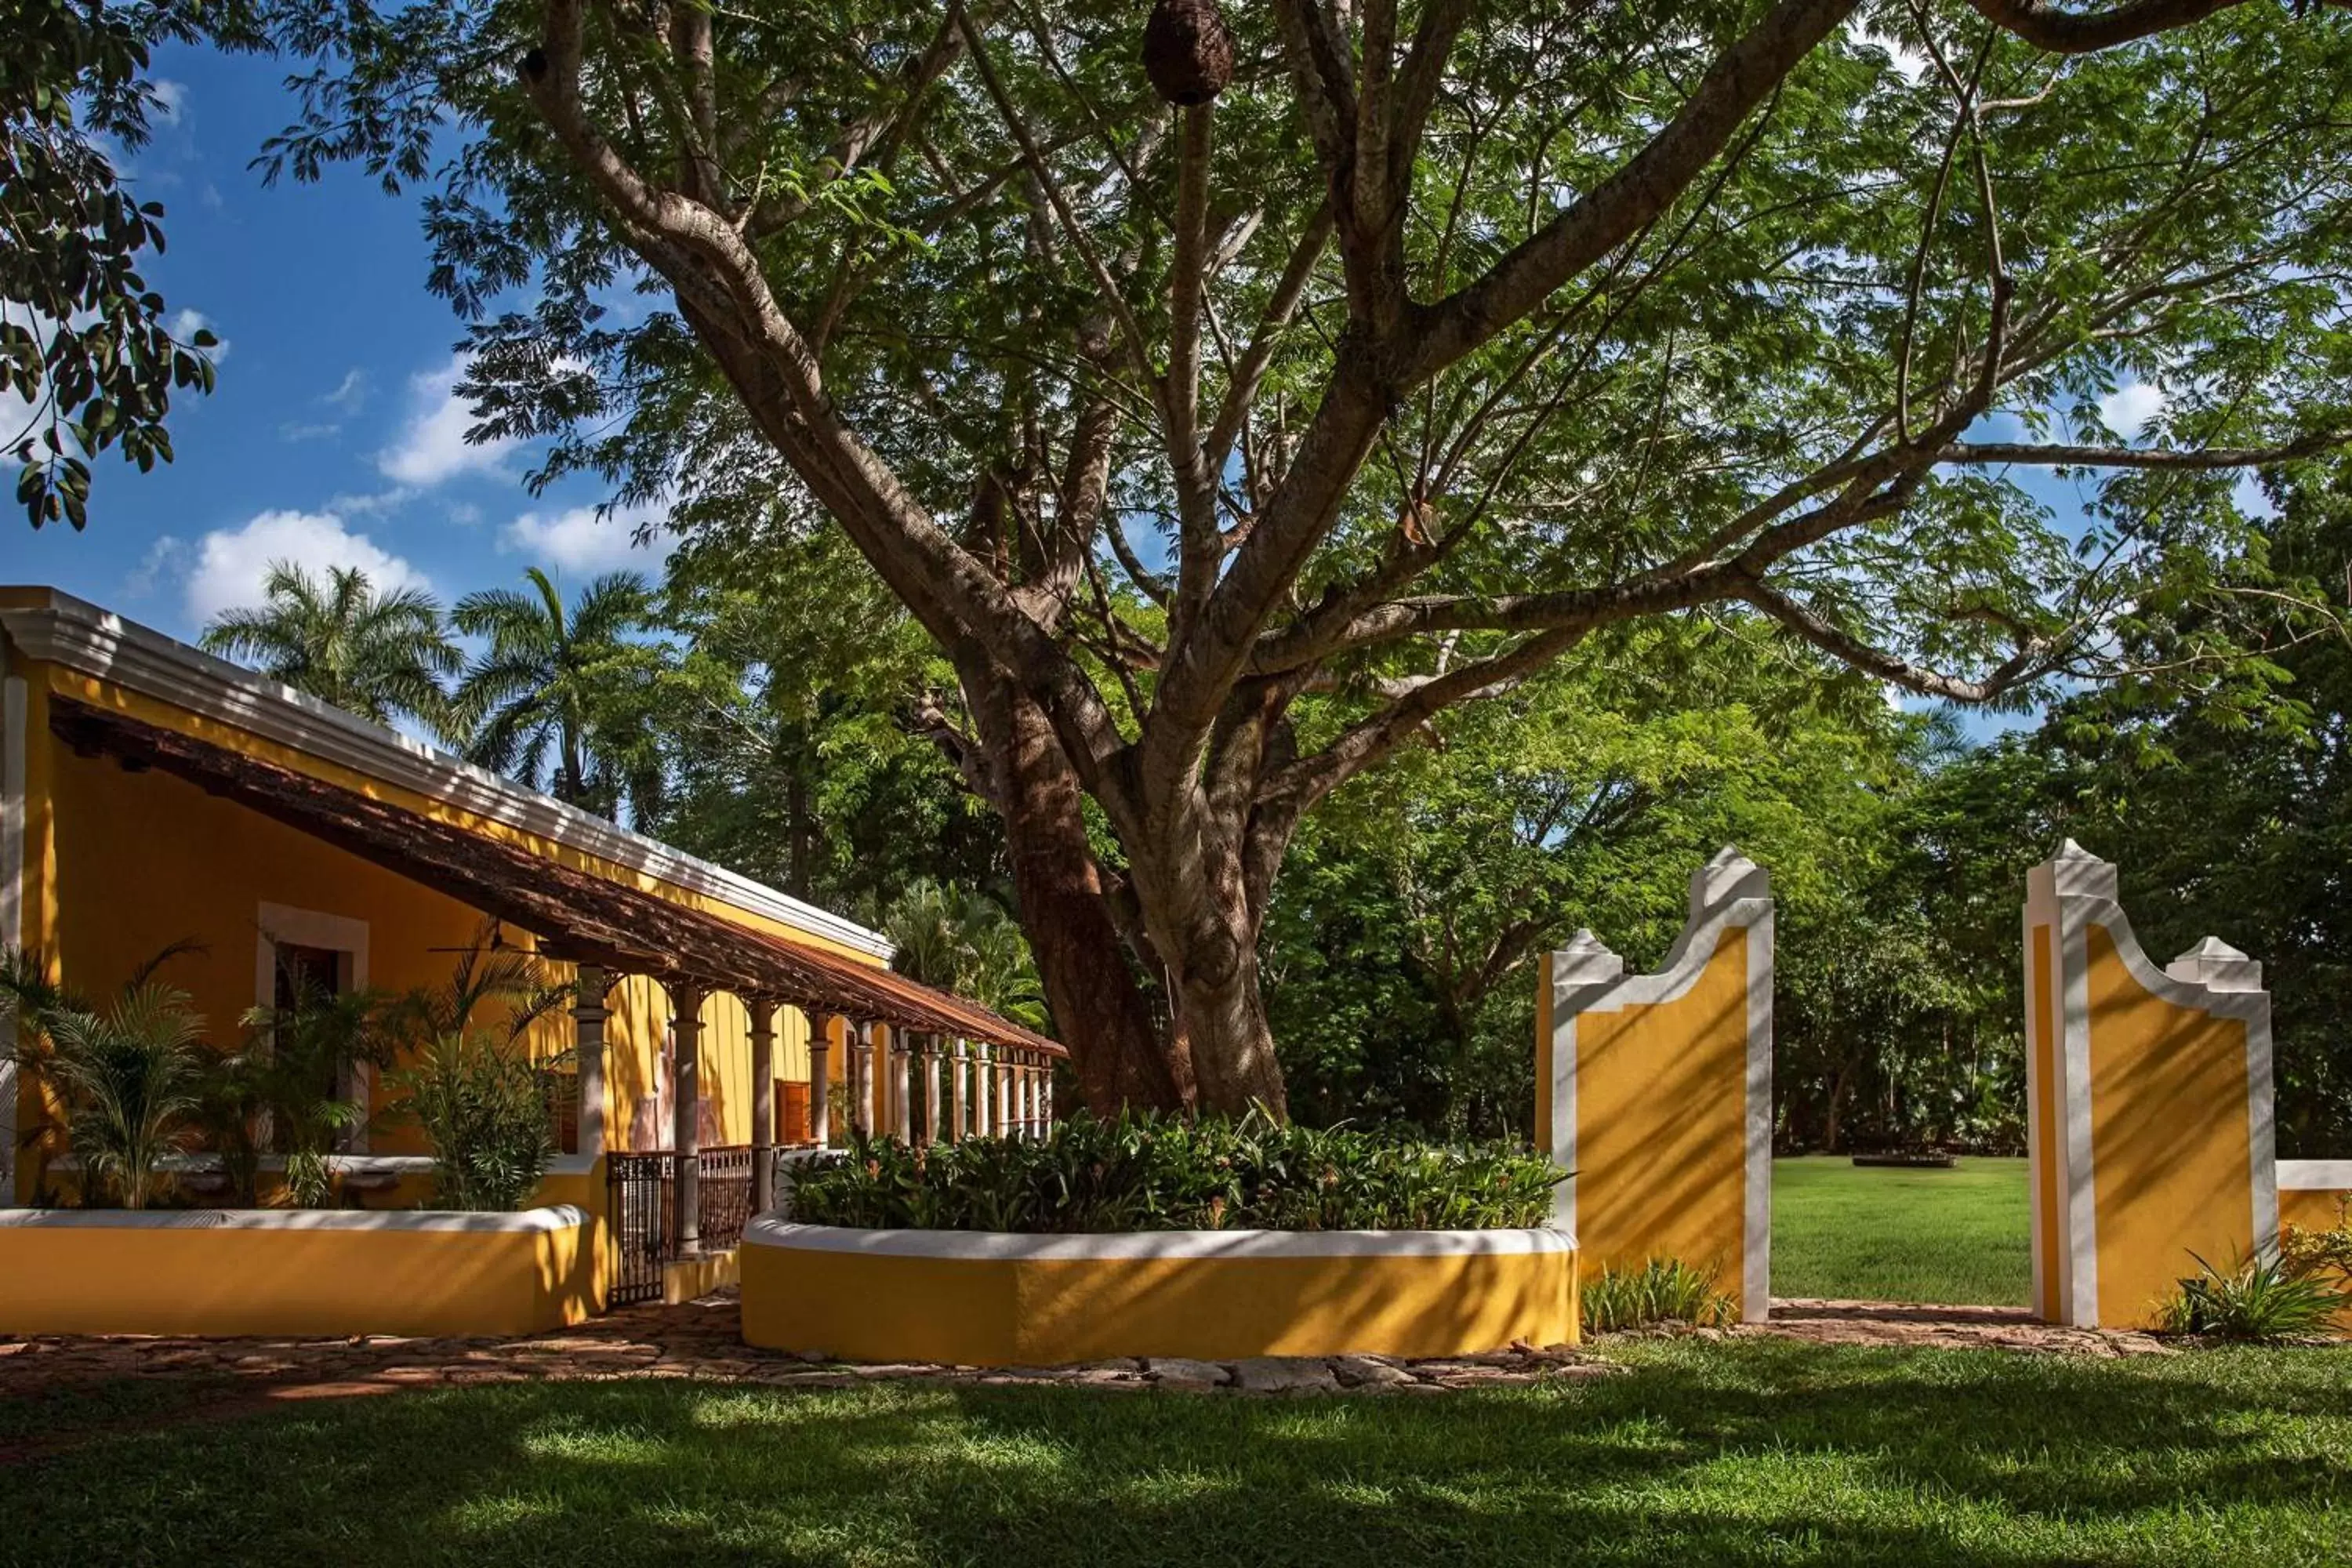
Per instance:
x=1663, y=1290
x=294, y=1066
x=479, y=1099
x=2254, y=1299
x=126, y=1074
x=1147, y=1172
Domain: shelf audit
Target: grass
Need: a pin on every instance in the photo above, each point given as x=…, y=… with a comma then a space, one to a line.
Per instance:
x=1747, y=1452
x=1958, y=1237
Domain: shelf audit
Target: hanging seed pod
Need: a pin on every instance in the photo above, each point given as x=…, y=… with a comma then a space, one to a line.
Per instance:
x=1187, y=52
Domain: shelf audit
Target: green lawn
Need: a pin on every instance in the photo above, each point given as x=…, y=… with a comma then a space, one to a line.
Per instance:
x=1958, y=1237
x=1742, y=1452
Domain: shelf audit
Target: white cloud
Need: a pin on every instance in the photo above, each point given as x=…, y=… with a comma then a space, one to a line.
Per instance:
x=432, y=447
x=163, y=559
x=351, y=392
x=294, y=430
x=230, y=563
x=185, y=324
x=579, y=543
x=2127, y=409
x=171, y=99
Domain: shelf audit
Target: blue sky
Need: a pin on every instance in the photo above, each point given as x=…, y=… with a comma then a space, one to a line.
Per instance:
x=332, y=437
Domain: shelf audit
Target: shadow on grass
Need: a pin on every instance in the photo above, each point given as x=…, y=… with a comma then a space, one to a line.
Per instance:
x=1748, y=1453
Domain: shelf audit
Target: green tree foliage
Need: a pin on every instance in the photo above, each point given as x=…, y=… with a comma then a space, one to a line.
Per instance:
x=380, y=656
x=1400, y=953
x=794, y=724
x=561, y=697
x=2227, y=813
x=1447, y=339
x=87, y=358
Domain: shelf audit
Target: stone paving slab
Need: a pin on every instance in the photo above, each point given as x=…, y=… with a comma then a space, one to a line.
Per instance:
x=702, y=1340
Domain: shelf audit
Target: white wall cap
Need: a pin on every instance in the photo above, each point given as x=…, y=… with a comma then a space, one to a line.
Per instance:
x=1728, y=877
x=2075, y=873
x=1585, y=960
x=2216, y=965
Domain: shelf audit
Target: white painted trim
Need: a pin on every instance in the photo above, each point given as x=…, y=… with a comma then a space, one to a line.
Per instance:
x=1729, y=892
x=558, y=1217
x=975, y=1245
x=2314, y=1175
x=83, y=638
x=14, y=702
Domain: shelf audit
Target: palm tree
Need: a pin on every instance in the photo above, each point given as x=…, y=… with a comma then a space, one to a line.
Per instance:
x=549, y=699
x=379, y=656
x=966, y=943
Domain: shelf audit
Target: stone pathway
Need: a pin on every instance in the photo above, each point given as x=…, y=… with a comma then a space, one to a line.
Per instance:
x=699, y=1341
x=1946, y=1328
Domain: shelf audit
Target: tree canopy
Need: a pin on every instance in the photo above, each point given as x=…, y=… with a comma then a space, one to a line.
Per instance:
x=1441, y=343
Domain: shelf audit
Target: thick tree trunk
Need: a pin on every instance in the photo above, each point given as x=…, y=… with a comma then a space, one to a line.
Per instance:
x=1120, y=1055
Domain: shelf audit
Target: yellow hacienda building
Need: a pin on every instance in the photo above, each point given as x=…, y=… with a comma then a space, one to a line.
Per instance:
x=152, y=795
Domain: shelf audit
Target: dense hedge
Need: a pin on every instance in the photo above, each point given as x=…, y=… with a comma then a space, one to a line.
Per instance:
x=1153, y=1173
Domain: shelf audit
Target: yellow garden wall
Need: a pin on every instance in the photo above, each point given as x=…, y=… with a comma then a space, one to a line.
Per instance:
x=2149, y=1114
x=1656, y=1091
x=273, y=1272
x=993, y=1299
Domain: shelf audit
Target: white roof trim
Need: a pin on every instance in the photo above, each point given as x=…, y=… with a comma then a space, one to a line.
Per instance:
x=95, y=642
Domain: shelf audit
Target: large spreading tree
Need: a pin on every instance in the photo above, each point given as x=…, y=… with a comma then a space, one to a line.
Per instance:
x=1172, y=369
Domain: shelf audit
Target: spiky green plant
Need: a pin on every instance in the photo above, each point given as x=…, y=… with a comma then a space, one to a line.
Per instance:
x=126, y=1073
x=1663, y=1290
x=2254, y=1299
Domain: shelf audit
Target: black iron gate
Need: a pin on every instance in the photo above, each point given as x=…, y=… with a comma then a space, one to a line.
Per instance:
x=642, y=1190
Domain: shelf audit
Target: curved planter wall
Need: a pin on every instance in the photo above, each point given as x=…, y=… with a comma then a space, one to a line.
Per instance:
x=987, y=1299
x=294, y=1271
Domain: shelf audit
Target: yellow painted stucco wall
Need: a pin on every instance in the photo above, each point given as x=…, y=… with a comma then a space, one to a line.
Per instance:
x=1661, y=1122
x=1008, y=1312
x=109, y=1280
x=120, y=864
x=2171, y=1166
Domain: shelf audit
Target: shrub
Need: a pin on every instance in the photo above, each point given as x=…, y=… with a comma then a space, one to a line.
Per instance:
x=479, y=1099
x=482, y=1106
x=1146, y=1171
x=127, y=1075
x=2323, y=1254
x=2254, y=1301
x=1663, y=1290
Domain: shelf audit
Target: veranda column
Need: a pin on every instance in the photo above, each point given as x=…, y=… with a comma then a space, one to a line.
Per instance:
x=861, y=1078
x=1008, y=1122
x=686, y=1116
x=821, y=1079
x=588, y=1015
x=930, y=1088
x=1029, y=1120
x=959, y=1093
x=763, y=1103
x=902, y=1112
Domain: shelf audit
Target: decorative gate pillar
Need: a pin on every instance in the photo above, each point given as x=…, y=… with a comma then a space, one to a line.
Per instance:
x=1656, y=1091
x=2150, y=1128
